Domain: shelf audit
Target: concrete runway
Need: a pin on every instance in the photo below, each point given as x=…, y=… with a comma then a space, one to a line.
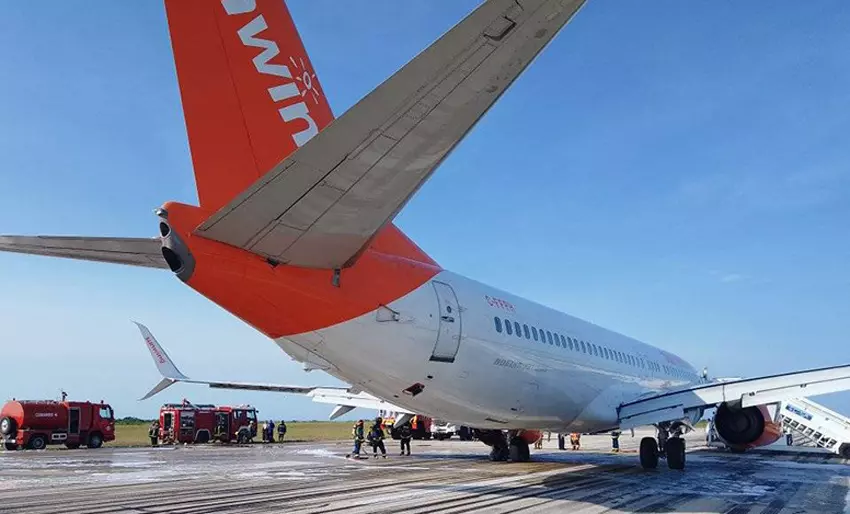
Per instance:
x=450, y=476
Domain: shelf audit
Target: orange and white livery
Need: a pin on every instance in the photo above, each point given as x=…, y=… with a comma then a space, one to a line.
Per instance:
x=294, y=235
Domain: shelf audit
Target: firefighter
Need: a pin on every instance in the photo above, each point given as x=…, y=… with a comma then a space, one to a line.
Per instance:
x=357, y=435
x=376, y=439
x=615, y=441
x=406, y=434
x=265, y=432
x=575, y=440
x=561, y=443
x=153, y=432
x=281, y=430
x=271, y=431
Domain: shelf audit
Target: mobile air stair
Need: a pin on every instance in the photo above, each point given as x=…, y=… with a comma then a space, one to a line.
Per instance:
x=816, y=425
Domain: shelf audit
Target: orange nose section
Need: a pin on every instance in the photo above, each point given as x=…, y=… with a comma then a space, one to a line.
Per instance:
x=281, y=300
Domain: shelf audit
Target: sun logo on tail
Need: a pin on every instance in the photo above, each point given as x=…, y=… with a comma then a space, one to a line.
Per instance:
x=307, y=79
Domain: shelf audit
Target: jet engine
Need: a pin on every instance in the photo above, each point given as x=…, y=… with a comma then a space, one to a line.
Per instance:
x=748, y=427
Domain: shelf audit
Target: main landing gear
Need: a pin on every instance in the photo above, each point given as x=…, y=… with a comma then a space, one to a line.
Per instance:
x=504, y=447
x=673, y=449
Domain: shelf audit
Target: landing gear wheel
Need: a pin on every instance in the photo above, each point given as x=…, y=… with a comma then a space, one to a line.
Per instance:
x=648, y=453
x=519, y=451
x=675, y=449
x=37, y=442
x=844, y=450
x=499, y=454
x=10, y=446
x=95, y=441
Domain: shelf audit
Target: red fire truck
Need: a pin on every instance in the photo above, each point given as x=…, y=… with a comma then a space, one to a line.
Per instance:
x=35, y=424
x=189, y=423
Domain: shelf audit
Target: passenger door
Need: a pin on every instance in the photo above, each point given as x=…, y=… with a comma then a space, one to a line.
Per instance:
x=448, y=335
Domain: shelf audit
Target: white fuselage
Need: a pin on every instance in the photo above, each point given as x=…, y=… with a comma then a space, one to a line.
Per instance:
x=452, y=336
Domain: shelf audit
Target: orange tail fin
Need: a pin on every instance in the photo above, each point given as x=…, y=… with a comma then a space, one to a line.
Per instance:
x=250, y=94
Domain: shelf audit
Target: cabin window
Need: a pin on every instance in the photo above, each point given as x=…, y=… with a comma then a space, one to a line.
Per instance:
x=525, y=331
x=583, y=347
x=549, y=337
x=563, y=341
x=570, y=341
x=508, y=327
x=557, y=340
x=517, y=329
x=498, y=323
x=534, y=333
x=595, y=350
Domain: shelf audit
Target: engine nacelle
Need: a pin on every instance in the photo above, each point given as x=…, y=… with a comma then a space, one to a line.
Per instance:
x=529, y=436
x=743, y=428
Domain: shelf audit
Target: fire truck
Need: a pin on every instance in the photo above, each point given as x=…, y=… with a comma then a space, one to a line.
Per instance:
x=33, y=424
x=189, y=423
x=420, y=426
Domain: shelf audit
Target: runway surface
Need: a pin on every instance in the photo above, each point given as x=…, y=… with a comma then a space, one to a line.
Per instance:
x=441, y=477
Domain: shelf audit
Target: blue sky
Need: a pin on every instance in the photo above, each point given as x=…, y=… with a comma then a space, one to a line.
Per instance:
x=676, y=171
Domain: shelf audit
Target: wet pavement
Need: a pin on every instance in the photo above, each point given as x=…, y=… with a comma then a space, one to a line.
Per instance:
x=449, y=476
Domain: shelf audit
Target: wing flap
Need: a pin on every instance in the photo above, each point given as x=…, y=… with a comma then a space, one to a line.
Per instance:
x=751, y=391
x=321, y=206
x=119, y=250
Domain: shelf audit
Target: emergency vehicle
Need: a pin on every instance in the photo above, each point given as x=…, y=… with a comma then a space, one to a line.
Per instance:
x=189, y=423
x=420, y=426
x=33, y=424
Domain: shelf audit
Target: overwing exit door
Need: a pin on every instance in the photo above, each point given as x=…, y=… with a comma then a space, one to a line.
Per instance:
x=448, y=335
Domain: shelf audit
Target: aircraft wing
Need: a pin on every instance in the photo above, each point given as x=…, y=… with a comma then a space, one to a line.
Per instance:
x=321, y=206
x=134, y=251
x=674, y=405
x=345, y=399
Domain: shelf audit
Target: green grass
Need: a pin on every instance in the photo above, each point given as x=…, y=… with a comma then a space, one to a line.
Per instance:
x=298, y=431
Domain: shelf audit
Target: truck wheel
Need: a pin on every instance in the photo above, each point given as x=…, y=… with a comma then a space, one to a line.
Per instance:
x=38, y=442
x=95, y=441
x=7, y=426
x=10, y=446
x=202, y=438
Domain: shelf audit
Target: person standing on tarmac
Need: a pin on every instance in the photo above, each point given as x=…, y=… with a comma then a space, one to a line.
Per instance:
x=153, y=433
x=281, y=431
x=406, y=434
x=376, y=438
x=357, y=435
x=615, y=441
x=271, y=431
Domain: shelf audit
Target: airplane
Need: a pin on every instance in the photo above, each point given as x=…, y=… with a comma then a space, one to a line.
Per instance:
x=294, y=235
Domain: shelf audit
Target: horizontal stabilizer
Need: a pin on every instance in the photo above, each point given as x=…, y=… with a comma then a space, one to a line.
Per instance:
x=322, y=206
x=133, y=251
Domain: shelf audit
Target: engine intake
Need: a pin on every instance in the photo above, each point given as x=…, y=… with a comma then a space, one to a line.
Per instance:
x=748, y=427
